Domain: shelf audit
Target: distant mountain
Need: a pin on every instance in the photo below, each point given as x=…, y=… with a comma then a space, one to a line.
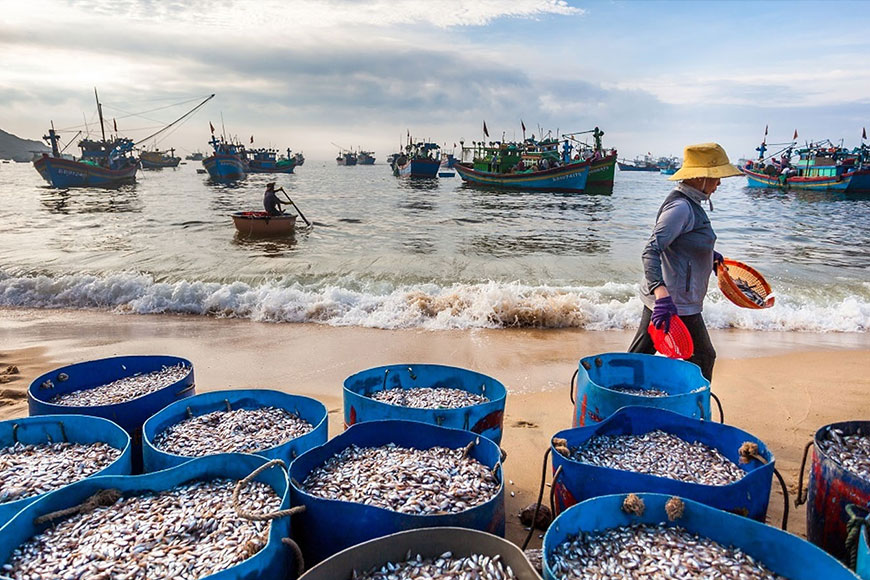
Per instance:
x=18, y=149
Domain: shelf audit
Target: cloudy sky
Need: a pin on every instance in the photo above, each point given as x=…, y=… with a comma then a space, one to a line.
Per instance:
x=653, y=75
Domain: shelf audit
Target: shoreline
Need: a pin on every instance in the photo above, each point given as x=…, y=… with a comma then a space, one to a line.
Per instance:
x=780, y=387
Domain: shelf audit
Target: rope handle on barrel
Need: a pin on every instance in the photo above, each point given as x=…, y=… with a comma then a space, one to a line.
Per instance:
x=297, y=553
x=718, y=404
x=853, y=527
x=801, y=498
x=103, y=498
x=574, y=376
x=749, y=451
x=249, y=515
x=540, y=497
x=189, y=387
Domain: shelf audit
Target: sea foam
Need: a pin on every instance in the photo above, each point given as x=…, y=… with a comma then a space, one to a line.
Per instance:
x=429, y=306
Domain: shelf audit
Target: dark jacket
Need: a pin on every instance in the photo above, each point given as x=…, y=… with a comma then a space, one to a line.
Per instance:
x=679, y=253
x=271, y=203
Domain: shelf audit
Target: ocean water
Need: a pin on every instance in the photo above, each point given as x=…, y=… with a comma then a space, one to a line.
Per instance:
x=391, y=253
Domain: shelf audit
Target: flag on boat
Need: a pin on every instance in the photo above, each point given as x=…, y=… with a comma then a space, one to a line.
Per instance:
x=864, y=133
x=765, y=130
x=210, y=126
x=523, y=125
x=485, y=131
x=115, y=123
x=795, y=135
x=252, y=138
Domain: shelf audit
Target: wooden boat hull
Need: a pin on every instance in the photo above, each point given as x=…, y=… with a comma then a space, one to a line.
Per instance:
x=569, y=178
x=223, y=167
x=255, y=167
x=63, y=173
x=601, y=172
x=627, y=167
x=261, y=224
x=148, y=164
x=419, y=168
x=839, y=183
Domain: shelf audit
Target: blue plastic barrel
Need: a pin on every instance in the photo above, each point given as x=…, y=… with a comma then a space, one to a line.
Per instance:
x=328, y=526
x=831, y=489
x=307, y=408
x=63, y=428
x=863, y=564
x=598, y=376
x=580, y=481
x=485, y=418
x=129, y=415
x=784, y=553
x=426, y=542
x=275, y=560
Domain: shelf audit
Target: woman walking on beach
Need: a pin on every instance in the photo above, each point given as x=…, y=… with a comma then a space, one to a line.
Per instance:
x=679, y=257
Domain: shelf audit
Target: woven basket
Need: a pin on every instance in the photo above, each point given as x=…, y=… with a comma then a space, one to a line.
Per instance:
x=731, y=272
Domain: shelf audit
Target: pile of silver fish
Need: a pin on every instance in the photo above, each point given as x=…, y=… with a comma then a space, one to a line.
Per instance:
x=412, y=481
x=850, y=451
x=662, y=454
x=29, y=470
x=236, y=431
x=429, y=398
x=640, y=392
x=652, y=551
x=124, y=389
x=747, y=290
x=188, y=532
x=444, y=567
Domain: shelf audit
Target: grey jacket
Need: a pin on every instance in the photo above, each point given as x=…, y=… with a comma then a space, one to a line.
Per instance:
x=679, y=253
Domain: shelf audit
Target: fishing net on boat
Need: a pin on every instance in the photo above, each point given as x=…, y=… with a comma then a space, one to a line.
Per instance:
x=744, y=286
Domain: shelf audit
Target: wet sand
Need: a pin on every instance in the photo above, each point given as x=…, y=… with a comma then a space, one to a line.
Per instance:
x=779, y=386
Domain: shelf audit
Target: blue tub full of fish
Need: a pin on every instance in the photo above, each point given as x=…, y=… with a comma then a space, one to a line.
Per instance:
x=622, y=527
x=607, y=382
x=457, y=398
x=429, y=544
x=215, y=534
x=409, y=474
x=123, y=389
x=663, y=442
x=269, y=423
x=839, y=477
x=45, y=453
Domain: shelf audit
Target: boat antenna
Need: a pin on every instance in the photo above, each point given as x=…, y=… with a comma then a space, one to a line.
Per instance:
x=184, y=116
x=100, y=111
x=87, y=129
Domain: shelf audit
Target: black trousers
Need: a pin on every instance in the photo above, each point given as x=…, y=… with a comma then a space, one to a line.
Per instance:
x=704, y=355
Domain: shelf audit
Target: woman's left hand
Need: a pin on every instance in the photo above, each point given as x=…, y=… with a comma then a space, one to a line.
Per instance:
x=718, y=260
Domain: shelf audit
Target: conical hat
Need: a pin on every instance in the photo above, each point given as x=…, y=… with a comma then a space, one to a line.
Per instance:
x=705, y=160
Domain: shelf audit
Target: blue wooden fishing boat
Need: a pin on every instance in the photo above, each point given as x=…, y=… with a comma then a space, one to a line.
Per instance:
x=347, y=158
x=568, y=178
x=418, y=160
x=267, y=161
x=366, y=157
x=104, y=163
x=820, y=167
x=227, y=163
x=158, y=159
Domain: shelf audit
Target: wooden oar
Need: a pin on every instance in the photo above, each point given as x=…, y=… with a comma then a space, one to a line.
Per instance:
x=308, y=223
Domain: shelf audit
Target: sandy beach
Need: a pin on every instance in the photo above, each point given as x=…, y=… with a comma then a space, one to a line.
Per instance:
x=779, y=386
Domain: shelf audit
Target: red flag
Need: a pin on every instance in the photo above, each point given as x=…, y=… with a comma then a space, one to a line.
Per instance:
x=864, y=133
x=115, y=123
x=252, y=138
x=210, y=126
x=485, y=131
x=795, y=134
x=454, y=145
x=765, y=130
x=523, y=125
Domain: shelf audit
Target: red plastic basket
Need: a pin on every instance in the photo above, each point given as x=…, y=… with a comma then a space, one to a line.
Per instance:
x=732, y=273
x=676, y=343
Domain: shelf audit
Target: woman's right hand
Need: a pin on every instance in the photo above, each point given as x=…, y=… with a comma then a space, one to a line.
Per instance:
x=662, y=312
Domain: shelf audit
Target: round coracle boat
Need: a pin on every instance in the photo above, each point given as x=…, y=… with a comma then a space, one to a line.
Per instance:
x=260, y=223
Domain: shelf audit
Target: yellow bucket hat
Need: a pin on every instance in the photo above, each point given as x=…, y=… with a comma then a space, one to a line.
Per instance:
x=705, y=160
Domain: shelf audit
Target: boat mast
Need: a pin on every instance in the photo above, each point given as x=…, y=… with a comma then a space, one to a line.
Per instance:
x=100, y=111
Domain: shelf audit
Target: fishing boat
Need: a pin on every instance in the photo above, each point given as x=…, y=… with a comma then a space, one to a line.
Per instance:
x=158, y=159
x=195, y=156
x=602, y=161
x=444, y=170
x=418, y=160
x=228, y=161
x=267, y=161
x=672, y=166
x=365, y=157
x=261, y=224
x=820, y=166
x=103, y=163
x=645, y=163
x=347, y=158
x=300, y=159
x=568, y=178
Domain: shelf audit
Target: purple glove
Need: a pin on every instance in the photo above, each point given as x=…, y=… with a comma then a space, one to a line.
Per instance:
x=661, y=314
x=718, y=260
